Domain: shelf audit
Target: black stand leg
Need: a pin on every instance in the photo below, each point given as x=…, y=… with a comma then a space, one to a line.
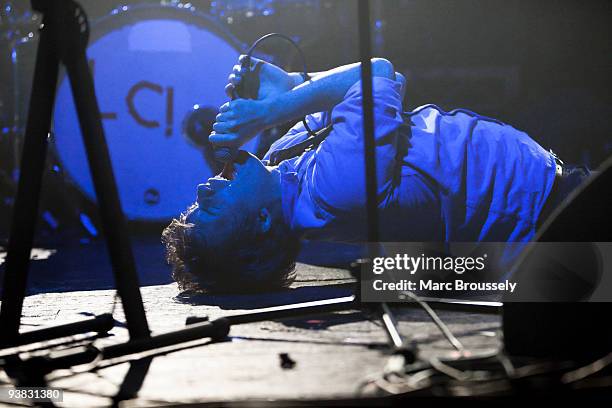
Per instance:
x=64, y=38
x=371, y=189
x=114, y=225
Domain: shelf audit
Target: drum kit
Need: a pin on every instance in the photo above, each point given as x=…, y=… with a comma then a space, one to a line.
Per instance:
x=159, y=71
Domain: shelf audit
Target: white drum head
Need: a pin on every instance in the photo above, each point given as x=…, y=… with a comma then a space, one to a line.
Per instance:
x=151, y=65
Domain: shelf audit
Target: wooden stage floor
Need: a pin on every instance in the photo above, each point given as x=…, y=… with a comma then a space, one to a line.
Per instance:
x=333, y=354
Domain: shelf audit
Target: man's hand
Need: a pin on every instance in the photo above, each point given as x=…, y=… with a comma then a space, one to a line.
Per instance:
x=238, y=121
x=272, y=79
x=279, y=101
x=241, y=119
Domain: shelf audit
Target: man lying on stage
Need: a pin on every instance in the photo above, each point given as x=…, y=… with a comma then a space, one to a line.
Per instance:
x=454, y=176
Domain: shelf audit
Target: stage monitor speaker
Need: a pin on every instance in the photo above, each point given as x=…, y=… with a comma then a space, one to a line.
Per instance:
x=565, y=323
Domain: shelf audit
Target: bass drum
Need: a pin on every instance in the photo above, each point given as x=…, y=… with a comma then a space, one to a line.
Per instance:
x=151, y=66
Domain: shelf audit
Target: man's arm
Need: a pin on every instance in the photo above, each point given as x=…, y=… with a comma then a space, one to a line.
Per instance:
x=241, y=119
x=298, y=79
x=323, y=92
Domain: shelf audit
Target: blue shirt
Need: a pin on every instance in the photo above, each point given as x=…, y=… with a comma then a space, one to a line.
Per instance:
x=454, y=176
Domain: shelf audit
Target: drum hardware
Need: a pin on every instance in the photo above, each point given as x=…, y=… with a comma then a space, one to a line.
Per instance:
x=234, y=11
x=249, y=19
x=63, y=38
x=7, y=188
x=197, y=126
x=64, y=208
x=278, y=13
x=18, y=27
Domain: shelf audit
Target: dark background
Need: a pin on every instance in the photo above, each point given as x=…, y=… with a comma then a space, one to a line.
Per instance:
x=543, y=66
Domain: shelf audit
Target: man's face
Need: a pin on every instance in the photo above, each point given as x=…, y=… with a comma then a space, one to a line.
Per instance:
x=226, y=204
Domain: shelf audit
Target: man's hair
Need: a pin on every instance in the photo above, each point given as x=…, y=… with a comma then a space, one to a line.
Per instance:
x=252, y=262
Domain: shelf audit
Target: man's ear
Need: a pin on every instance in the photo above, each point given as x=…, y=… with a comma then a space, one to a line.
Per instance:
x=264, y=221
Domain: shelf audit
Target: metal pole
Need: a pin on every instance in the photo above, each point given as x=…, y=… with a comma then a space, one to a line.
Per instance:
x=99, y=324
x=365, y=54
x=114, y=225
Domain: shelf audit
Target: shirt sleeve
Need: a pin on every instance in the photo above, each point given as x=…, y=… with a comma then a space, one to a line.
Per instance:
x=338, y=173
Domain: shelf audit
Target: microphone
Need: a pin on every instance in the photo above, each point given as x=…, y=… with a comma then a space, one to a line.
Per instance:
x=247, y=89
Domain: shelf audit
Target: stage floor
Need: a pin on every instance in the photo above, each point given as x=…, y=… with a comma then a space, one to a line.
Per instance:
x=333, y=354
